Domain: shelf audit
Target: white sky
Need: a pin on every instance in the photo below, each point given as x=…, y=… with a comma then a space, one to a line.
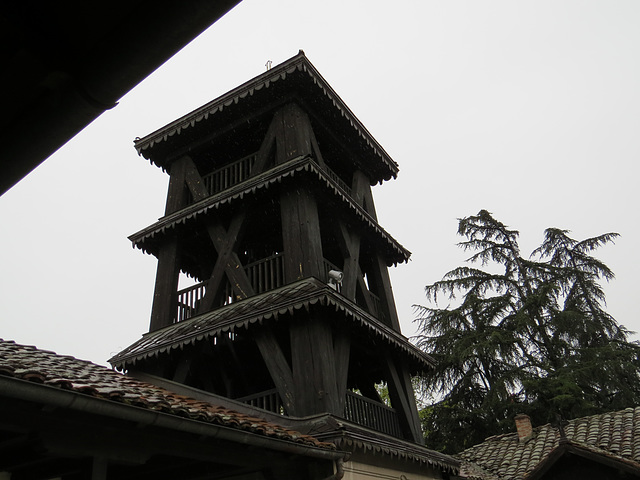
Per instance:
x=529, y=109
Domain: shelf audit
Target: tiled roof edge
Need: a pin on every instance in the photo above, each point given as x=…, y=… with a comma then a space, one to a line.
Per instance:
x=97, y=389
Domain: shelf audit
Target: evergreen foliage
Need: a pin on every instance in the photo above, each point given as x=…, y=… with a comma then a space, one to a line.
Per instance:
x=534, y=338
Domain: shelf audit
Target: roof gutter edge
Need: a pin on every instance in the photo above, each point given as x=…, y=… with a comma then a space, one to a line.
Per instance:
x=38, y=393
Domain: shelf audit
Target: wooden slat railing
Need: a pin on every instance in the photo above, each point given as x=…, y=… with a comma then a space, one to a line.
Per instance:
x=374, y=415
x=188, y=300
x=229, y=175
x=269, y=400
x=240, y=170
x=265, y=274
x=333, y=176
x=358, y=409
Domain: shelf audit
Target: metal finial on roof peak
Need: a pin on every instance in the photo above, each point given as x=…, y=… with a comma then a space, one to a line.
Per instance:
x=268, y=64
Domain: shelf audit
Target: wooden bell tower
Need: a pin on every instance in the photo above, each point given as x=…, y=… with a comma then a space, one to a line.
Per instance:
x=270, y=214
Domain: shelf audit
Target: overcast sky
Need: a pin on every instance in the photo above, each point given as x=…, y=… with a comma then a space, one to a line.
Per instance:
x=529, y=109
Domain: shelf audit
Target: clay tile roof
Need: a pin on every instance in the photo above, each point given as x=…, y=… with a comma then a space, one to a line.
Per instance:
x=68, y=373
x=614, y=436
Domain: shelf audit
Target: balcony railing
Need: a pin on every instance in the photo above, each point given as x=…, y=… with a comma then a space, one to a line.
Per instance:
x=269, y=400
x=370, y=414
x=358, y=409
x=240, y=170
x=264, y=275
x=229, y=175
x=188, y=300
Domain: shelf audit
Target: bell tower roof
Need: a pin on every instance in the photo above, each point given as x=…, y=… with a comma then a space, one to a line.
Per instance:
x=295, y=79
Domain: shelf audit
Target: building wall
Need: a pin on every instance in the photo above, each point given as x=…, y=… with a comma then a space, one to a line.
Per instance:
x=357, y=470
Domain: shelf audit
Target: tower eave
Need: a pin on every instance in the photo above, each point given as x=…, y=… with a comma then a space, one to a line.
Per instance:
x=145, y=239
x=266, y=307
x=277, y=82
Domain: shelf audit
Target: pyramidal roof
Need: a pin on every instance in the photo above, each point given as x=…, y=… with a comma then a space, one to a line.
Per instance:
x=295, y=75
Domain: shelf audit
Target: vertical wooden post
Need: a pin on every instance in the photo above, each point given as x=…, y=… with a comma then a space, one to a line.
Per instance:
x=293, y=133
x=299, y=211
x=313, y=366
x=380, y=275
x=165, y=295
x=403, y=399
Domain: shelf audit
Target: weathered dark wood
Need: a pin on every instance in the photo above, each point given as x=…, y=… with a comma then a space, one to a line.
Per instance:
x=341, y=353
x=313, y=366
x=380, y=275
x=309, y=354
x=349, y=244
x=278, y=367
x=293, y=133
x=227, y=262
x=299, y=211
x=268, y=143
x=204, y=141
x=360, y=189
x=165, y=295
x=301, y=236
x=177, y=194
x=403, y=399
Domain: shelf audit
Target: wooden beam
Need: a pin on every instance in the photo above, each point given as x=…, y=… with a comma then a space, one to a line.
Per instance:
x=265, y=148
x=230, y=127
x=403, y=398
x=349, y=244
x=341, y=353
x=293, y=133
x=380, y=276
x=228, y=262
x=177, y=194
x=278, y=368
x=313, y=366
x=299, y=211
x=165, y=295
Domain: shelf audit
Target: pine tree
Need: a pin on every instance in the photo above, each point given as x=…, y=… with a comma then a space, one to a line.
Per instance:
x=533, y=337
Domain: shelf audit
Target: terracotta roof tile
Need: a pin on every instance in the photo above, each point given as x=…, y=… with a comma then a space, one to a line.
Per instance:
x=68, y=373
x=615, y=435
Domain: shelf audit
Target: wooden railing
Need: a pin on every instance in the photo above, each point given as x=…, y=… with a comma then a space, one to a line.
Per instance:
x=333, y=176
x=229, y=175
x=269, y=400
x=240, y=170
x=370, y=414
x=264, y=275
x=188, y=300
x=358, y=409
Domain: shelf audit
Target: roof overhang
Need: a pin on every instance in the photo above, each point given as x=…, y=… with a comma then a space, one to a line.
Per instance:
x=267, y=307
x=292, y=170
x=65, y=63
x=296, y=75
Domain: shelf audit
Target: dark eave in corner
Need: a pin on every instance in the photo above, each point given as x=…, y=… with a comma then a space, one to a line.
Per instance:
x=65, y=63
x=156, y=146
